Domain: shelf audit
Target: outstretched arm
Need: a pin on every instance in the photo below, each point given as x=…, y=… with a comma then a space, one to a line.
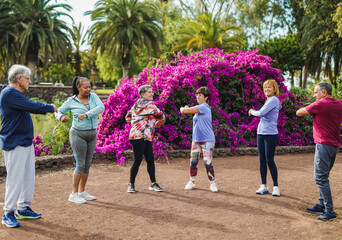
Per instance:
x=302, y=112
x=268, y=106
x=62, y=110
x=20, y=102
x=189, y=110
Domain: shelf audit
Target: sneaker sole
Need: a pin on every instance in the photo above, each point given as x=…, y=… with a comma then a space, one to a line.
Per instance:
x=77, y=202
x=276, y=195
x=314, y=212
x=190, y=188
x=263, y=193
x=156, y=190
x=131, y=191
x=89, y=199
x=11, y=226
x=18, y=217
x=331, y=219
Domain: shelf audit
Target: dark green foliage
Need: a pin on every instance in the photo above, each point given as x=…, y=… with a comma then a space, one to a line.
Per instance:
x=60, y=73
x=36, y=32
x=286, y=51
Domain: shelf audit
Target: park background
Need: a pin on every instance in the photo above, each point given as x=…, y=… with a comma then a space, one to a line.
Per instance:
x=177, y=46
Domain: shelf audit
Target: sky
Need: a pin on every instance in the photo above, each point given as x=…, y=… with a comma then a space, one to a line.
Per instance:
x=79, y=8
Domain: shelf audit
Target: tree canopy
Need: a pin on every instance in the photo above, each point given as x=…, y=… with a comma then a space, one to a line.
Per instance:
x=286, y=52
x=37, y=33
x=121, y=25
x=209, y=32
x=127, y=32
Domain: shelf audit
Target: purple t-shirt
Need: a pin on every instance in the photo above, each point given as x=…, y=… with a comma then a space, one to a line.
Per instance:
x=268, y=115
x=202, y=125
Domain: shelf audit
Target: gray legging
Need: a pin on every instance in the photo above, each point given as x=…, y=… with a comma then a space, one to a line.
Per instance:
x=83, y=144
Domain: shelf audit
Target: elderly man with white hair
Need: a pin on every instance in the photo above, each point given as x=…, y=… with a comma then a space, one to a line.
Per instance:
x=16, y=136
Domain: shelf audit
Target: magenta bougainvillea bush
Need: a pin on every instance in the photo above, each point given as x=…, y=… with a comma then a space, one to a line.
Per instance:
x=235, y=82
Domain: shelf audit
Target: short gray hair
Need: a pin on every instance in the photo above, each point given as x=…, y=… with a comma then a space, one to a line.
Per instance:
x=17, y=70
x=143, y=89
x=325, y=86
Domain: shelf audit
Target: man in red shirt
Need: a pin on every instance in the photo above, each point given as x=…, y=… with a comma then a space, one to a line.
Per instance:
x=327, y=119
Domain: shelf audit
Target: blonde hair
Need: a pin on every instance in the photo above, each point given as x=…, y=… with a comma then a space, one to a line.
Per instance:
x=274, y=84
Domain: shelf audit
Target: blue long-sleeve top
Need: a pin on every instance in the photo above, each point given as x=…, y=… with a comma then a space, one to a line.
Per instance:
x=268, y=116
x=16, y=123
x=77, y=107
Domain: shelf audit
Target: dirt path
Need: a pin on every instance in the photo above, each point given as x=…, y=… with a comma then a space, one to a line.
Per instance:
x=235, y=212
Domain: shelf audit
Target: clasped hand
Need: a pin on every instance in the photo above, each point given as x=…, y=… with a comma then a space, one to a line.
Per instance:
x=182, y=108
x=80, y=117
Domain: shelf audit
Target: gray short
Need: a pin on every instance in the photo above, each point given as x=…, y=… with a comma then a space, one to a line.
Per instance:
x=83, y=143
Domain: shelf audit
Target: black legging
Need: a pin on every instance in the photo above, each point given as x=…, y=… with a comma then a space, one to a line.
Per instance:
x=266, y=148
x=142, y=147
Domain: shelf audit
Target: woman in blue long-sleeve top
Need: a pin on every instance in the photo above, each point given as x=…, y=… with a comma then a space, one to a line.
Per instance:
x=267, y=135
x=85, y=107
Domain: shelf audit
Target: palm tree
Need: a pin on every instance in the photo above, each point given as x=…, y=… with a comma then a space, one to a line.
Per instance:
x=39, y=32
x=121, y=25
x=6, y=32
x=78, y=39
x=208, y=32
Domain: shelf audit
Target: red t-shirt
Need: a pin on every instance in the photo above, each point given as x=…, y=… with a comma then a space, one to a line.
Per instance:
x=327, y=119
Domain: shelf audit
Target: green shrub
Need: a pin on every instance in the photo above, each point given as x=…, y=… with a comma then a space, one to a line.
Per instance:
x=53, y=142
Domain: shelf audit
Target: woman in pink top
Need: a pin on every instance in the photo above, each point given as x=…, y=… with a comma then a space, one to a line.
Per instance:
x=144, y=116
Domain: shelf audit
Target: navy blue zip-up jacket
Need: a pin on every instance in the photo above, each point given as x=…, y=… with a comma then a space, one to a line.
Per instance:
x=16, y=126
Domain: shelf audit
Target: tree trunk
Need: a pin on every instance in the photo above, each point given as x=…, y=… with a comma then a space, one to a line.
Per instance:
x=318, y=73
x=32, y=66
x=270, y=32
x=93, y=73
x=305, y=80
x=32, y=60
x=78, y=63
x=124, y=72
x=301, y=77
x=292, y=79
x=125, y=62
x=336, y=68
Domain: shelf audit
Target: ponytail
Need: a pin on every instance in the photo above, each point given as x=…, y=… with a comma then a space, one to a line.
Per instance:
x=75, y=83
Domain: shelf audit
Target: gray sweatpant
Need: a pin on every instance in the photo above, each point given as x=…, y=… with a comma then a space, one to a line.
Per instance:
x=20, y=178
x=83, y=143
x=324, y=161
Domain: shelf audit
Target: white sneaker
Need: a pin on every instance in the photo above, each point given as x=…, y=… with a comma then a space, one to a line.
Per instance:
x=213, y=187
x=262, y=189
x=86, y=196
x=76, y=199
x=190, y=185
x=276, y=191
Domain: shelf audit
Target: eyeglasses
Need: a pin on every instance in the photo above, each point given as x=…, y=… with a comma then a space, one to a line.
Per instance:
x=25, y=77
